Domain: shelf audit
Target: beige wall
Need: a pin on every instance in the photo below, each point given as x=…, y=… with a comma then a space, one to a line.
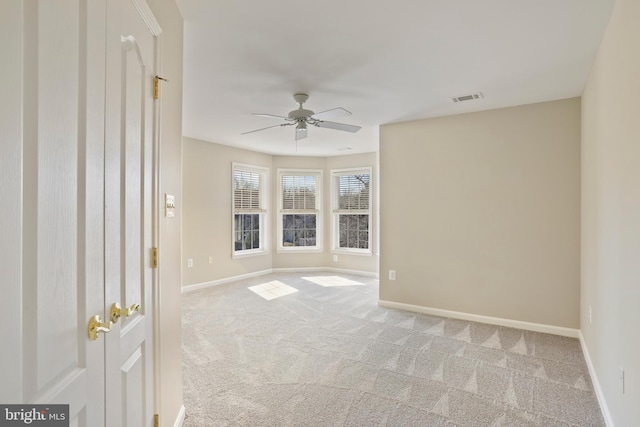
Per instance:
x=206, y=225
x=611, y=213
x=480, y=213
x=170, y=358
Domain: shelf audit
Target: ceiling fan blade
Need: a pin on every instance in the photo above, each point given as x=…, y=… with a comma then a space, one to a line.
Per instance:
x=330, y=114
x=273, y=116
x=268, y=127
x=301, y=134
x=338, y=126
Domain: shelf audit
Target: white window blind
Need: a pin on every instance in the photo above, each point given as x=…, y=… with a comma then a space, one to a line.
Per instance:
x=353, y=192
x=299, y=192
x=247, y=191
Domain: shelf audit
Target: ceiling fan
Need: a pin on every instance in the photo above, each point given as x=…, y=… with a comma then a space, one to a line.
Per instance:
x=302, y=118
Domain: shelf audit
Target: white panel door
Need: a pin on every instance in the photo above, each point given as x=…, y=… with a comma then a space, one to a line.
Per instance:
x=128, y=213
x=76, y=130
x=55, y=153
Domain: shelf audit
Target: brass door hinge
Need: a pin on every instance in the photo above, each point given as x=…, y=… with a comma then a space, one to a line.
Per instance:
x=155, y=420
x=156, y=84
x=154, y=257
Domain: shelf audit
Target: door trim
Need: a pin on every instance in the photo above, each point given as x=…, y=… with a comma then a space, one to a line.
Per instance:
x=156, y=201
x=147, y=16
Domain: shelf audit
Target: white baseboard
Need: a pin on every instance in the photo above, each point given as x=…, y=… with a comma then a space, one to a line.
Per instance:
x=180, y=418
x=331, y=269
x=536, y=327
x=195, y=287
x=596, y=384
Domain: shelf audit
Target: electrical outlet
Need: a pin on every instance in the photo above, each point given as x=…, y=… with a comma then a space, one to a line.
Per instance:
x=335, y=258
x=210, y=260
x=392, y=275
x=590, y=315
x=621, y=377
x=190, y=262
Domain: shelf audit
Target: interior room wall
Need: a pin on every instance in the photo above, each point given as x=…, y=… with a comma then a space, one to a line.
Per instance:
x=170, y=357
x=611, y=215
x=480, y=213
x=207, y=222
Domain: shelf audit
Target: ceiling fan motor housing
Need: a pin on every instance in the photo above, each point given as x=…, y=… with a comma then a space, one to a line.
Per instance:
x=300, y=113
x=300, y=98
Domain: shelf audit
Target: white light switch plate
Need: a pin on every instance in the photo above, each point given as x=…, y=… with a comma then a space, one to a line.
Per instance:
x=169, y=206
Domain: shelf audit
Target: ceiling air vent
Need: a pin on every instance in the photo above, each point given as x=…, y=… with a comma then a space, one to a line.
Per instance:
x=471, y=97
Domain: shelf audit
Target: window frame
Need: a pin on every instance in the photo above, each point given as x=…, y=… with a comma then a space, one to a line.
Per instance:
x=262, y=210
x=281, y=211
x=336, y=211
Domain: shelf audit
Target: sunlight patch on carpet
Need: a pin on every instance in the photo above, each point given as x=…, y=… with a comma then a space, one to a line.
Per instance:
x=272, y=290
x=332, y=281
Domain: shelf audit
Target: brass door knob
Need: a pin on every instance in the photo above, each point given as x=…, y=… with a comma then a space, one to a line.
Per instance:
x=96, y=326
x=117, y=312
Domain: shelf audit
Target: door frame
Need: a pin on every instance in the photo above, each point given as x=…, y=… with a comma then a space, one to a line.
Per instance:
x=154, y=27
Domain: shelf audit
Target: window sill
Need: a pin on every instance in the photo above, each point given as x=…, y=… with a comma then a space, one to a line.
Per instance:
x=245, y=254
x=299, y=250
x=351, y=252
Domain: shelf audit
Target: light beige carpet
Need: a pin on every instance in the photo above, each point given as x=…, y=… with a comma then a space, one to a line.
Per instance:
x=325, y=354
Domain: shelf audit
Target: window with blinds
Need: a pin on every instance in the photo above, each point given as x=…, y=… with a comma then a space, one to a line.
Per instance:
x=299, y=213
x=249, y=208
x=353, y=192
x=351, y=223
x=247, y=190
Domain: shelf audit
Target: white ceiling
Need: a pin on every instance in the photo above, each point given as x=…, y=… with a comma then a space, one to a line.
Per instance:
x=385, y=61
